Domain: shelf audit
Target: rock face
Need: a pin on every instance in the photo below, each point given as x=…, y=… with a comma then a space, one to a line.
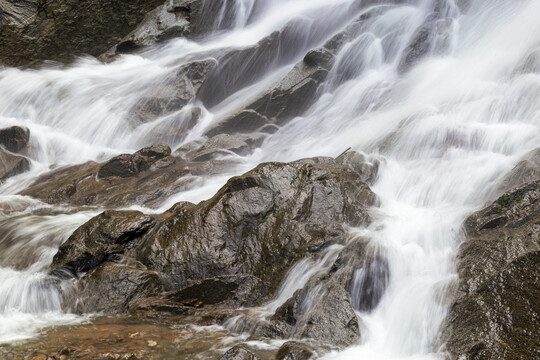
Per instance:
x=59, y=29
x=15, y=138
x=496, y=314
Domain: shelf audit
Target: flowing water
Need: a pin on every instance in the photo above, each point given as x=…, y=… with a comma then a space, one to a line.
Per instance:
x=446, y=129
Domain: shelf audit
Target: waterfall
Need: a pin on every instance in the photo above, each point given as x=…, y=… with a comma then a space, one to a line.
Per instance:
x=445, y=94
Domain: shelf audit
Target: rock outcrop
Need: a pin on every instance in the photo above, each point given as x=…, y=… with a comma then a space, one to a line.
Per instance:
x=60, y=30
x=496, y=314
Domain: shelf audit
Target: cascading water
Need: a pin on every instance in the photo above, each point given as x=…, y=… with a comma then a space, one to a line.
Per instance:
x=444, y=93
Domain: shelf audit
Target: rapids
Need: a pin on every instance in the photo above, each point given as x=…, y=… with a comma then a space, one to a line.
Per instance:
x=446, y=129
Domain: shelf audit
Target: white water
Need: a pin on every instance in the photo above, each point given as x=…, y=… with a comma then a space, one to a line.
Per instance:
x=447, y=132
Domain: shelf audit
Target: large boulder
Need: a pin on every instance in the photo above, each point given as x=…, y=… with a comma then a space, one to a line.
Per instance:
x=11, y=164
x=61, y=29
x=496, y=312
x=14, y=138
x=259, y=223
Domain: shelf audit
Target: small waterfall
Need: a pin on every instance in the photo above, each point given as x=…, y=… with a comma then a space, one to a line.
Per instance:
x=445, y=94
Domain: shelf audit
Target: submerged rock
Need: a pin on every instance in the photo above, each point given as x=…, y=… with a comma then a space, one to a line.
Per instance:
x=495, y=315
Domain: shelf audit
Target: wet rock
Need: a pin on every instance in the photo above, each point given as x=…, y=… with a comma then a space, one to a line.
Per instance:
x=14, y=138
x=367, y=170
x=247, y=121
x=259, y=223
x=158, y=25
x=113, y=288
x=291, y=97
x=11, y=164
x=433, y=36
x=125, y=165
x=239, y=352
x=81, y=185
x=224, y=145
x=229, y=291
x=155, y=152
x=173, y=92
x=60, y=30
x=293, y=350
x=98, y=240
x=527, y=170
x=495, y=314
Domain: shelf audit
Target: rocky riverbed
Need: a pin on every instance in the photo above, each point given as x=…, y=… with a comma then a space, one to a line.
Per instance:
x=248, y=179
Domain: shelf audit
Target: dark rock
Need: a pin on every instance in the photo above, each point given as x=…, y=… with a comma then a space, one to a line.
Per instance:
x=289, y=98
x=62, y=29
x=239, y=352
x=99, y=239
x=11, y=164
x=293, y=350
x=113, y=288
x=229, y=291
x=173, y=92
x=495, y=314
x=433, y=36
x=155, y=152
x=15, y=138
x=125, y=165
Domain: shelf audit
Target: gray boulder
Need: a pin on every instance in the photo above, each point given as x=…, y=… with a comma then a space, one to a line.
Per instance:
x=495, y=314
